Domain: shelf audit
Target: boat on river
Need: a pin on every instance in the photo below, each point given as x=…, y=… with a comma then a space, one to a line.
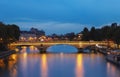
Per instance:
x=114, y=56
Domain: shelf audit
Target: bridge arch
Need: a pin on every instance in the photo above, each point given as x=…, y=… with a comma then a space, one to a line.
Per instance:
x=27, y=47
x=62, y=48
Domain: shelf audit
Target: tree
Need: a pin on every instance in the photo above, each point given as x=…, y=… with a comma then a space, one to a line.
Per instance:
x=93, y=34
x=116, y=36
x=3, y=32
x=105, y=32
x=85, y=33
x=108, y=33
x=8, y=34
x=70, y=36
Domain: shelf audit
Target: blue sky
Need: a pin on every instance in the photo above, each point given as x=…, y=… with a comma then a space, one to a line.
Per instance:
x=59, y=16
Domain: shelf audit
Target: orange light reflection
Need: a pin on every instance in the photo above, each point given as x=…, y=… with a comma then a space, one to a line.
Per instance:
x=79, y=66
x=44, y=67
x=12, y=65
x=111, y=70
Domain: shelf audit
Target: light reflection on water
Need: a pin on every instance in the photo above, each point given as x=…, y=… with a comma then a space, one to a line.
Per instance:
x=44, y=67
x=111, y=70
x=27, y=64
x=79, y=66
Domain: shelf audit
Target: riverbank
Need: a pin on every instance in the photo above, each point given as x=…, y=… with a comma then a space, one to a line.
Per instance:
x=6, y=53
x=112, y=55
x=114, y=59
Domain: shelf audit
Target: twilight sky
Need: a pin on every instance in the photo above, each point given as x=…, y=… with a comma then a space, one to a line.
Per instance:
x=59, y=16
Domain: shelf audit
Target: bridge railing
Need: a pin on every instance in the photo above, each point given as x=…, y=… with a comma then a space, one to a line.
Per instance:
x=62, y=42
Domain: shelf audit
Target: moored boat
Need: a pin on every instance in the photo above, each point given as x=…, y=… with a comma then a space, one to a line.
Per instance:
x=114, y=56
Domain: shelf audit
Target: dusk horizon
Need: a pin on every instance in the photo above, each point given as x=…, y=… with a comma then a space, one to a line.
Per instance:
x=57, y=27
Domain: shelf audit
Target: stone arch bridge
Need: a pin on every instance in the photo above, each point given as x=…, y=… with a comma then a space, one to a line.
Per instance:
x=44, y=45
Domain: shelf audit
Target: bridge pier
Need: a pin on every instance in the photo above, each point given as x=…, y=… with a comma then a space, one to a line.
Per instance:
x=42, y=49
x=80, y=50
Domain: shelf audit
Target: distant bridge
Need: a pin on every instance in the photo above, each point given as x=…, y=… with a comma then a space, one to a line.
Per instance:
x=77, y=44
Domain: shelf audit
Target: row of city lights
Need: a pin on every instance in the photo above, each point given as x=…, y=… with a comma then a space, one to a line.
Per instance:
x=42, y=38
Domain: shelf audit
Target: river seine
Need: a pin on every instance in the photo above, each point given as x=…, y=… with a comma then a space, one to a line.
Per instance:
x=28, y=62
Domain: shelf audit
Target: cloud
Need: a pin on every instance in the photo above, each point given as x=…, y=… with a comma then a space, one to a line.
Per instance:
x=52, y=26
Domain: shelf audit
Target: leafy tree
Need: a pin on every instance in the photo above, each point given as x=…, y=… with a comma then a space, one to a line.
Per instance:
x=108, y=32
x=85, y=33
x=93, y=34
x=8, y=34
x=70, y=36
x=116, y=36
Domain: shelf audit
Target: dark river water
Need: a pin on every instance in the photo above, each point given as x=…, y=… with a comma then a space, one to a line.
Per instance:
x=29, y=63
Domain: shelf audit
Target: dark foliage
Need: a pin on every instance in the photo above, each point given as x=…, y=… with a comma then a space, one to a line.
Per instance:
x=8, y=34
x=108, y=32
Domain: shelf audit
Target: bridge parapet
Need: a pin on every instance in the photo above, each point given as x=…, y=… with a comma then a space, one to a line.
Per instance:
x=78, y=44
